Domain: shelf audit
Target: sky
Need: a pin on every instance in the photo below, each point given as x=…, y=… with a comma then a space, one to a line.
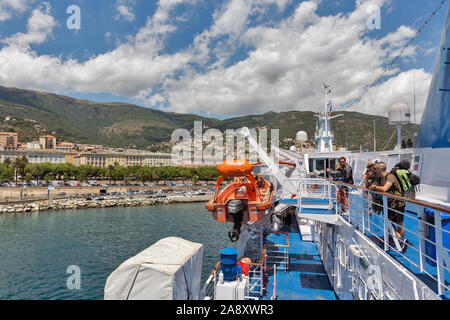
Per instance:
x=222, y=58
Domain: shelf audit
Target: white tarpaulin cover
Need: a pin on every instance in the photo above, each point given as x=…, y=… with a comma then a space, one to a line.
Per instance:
x=168, y=270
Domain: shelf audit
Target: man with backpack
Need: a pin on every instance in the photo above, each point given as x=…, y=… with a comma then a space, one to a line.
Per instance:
x=397, y=182
x=408, y=181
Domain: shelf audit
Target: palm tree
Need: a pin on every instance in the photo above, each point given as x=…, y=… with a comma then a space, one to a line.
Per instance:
x=110, y=170
x=19, y=166
x=36, y=173
x=23, y=164
x=7, y=162
x=16, y=166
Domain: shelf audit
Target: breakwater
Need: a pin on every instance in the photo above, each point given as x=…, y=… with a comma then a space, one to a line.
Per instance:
x=67, y=204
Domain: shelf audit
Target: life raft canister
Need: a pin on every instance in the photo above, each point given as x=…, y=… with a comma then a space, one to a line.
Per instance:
x=235, y=168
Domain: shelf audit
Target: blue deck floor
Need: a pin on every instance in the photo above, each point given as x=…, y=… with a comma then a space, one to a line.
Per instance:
x=306, y=278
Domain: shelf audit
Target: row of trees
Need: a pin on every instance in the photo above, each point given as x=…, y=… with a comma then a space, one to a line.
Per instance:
x=21, y=170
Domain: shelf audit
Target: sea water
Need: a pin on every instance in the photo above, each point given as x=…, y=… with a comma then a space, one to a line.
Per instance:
x=37, y=249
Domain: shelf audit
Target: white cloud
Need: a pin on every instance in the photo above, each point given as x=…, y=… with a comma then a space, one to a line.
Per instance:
x=399, y=89
x=10, y=7
x=287, y=62
x=132, y=67
x=125, y=10
x=39, y=27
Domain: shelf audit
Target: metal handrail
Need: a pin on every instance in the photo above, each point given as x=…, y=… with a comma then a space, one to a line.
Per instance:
x=361, y=218
x=284, y=253
x=274, y=294
x=414, y=201
x=206, y=289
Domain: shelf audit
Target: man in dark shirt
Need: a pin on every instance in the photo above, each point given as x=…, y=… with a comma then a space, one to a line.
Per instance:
x=347, y=177
x=347, y=170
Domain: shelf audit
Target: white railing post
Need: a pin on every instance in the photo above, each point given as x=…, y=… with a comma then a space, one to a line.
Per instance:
x=274, y=295
x=422, y=236
x=370, y=212
x=261, y=288
x=439, y=252
x=364, y=210
x=385, y=223
x=214, y=291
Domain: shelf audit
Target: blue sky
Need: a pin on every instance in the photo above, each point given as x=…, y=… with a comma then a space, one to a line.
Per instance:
x=220, y=58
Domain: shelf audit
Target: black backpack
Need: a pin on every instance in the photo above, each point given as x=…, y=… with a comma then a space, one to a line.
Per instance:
x=413, y=179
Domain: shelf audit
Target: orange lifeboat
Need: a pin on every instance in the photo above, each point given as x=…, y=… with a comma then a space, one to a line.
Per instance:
x=245, y=200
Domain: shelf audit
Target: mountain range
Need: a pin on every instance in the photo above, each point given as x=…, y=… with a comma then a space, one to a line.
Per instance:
x=34, y=113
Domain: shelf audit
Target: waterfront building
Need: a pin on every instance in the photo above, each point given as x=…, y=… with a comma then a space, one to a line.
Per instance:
x=9, y=140
x=33, y=145
x=65, y=146
x=48, y=142
x=104, y=159
x=35, y=156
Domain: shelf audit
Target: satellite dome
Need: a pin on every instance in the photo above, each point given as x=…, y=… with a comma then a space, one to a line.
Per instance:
x=399, y=113
x=301, y=136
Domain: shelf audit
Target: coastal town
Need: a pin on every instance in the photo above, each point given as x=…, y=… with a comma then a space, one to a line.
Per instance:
x=47, y=149
x=48, y=174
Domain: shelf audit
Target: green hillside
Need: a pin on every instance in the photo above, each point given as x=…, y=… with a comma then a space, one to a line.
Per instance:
x=125, y=125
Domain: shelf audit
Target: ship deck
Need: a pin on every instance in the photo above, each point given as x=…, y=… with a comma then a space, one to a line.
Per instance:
x=306, y=278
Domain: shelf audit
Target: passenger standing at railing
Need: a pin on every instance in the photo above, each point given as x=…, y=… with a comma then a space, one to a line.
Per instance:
x=374, y=200
x=347, y=178
x=340, y=192
x=396, y=207
x=347, y=170
x=364, y=176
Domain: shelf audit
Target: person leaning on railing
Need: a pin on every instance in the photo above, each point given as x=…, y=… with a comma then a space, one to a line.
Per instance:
x=347, y=177
x=340, y=194
x=396, y=207
x=370, y=178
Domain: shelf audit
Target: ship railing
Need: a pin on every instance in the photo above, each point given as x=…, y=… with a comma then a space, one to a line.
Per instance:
x=279, y=256
x=369, y=211
x=208, y=291
x=274, y=293
x=315, y=188
x=278, y=253
x=256, y=285
x=256, y=277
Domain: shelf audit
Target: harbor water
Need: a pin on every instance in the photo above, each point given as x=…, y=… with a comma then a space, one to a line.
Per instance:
x=37, y=249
